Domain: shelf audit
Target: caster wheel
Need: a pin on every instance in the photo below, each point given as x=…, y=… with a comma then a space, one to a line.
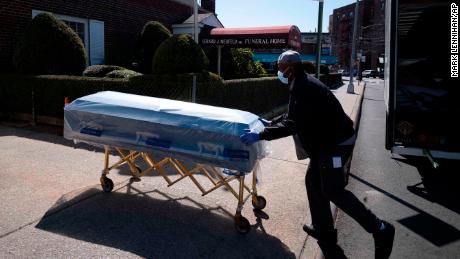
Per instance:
x=242, y=225
x=260, y=203
x=108, y=185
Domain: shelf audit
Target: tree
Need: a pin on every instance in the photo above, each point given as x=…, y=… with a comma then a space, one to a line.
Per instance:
x=49, y=46
x=238, y=63
x=179, y=54
x=152, y=35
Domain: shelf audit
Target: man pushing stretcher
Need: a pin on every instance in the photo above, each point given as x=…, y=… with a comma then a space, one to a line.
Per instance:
x=323, y=131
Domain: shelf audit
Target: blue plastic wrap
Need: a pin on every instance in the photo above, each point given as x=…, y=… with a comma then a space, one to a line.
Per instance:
x=189, y=131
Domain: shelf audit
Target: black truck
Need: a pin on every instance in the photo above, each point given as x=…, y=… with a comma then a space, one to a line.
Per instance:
x=422, y=94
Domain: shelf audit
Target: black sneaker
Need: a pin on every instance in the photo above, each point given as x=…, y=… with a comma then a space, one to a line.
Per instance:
x=310, y=230
x=383, y=240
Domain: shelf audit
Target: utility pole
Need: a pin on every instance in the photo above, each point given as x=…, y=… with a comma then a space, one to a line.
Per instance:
x=195, y=23
x=195, y=36
x=351, y=88
x=318, y=37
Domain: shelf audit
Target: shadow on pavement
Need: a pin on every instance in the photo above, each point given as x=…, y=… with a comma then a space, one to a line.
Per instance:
x=437, y=185
x=155, y=225
x=51, y=134
x=424, y=224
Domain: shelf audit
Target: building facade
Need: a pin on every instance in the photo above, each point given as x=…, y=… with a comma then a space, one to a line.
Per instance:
x=370, y=42
x=109, y=29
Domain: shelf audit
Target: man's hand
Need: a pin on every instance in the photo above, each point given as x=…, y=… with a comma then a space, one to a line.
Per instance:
x=265, y=122
x=249, y=138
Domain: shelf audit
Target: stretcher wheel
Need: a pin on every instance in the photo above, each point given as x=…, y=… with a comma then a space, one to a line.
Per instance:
x=260, y=203
x=108, y=185
x=242, y=225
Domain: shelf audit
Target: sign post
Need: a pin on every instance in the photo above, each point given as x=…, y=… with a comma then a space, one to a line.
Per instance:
x=318, y=38
x=351, y=87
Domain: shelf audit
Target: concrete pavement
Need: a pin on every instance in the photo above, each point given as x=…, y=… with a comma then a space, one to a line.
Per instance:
x=421, y=202
x=52, y=205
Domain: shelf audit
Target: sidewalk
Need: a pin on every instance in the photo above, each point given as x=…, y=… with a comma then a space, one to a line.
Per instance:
x=52, y=206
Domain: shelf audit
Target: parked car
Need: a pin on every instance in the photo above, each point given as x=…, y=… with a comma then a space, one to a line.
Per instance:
x=347, y=73
x=370, y=73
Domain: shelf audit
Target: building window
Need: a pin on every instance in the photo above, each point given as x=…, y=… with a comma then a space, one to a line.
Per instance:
x=77, y=27
x=350, y=14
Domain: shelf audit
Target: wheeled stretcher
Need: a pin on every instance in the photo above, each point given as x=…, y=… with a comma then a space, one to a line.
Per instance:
x=188, y=138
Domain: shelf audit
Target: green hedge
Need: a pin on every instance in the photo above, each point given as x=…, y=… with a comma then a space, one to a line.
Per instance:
x=49, y=91
x=124, y=73
x=258, y=95
x=100, y=70
x=333, y=80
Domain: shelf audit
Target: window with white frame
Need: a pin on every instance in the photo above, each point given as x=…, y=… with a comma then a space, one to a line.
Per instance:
x=77, y=27
x=91, y=32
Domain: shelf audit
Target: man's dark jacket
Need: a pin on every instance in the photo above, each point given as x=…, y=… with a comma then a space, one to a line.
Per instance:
x=314, y=114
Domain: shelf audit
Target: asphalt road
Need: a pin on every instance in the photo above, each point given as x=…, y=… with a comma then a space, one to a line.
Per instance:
x=423, y=204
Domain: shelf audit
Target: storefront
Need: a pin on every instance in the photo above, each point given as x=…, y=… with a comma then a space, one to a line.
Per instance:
x=276, y=37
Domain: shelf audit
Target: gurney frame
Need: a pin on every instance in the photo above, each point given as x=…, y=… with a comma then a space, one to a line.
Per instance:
x=215, y=176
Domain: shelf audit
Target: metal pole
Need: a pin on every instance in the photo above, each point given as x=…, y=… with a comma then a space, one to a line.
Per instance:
x=195, y=17
x=219, y=58
x=351, y=88
x=318, y=38
x=194, y=89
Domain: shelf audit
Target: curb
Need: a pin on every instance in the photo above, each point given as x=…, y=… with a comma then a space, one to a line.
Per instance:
x=356, y=113
x=355, y=116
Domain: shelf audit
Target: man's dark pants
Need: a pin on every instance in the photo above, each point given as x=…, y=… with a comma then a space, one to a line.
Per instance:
x=326, y=182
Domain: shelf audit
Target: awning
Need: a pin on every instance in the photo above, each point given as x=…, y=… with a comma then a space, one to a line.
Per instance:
x=273, y=58
x=287, y=36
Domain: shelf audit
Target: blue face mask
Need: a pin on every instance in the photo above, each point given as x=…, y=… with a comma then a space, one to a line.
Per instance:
x=281, y=77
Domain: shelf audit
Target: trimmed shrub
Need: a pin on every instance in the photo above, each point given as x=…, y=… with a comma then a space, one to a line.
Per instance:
x=50, y=47
x=179, y=54
x=309, y=67
x=238, y=63
x=123, y=73
x=323, y=69
x=152, y=35
x=49, y=91
x=100, y=70
x=333, y=81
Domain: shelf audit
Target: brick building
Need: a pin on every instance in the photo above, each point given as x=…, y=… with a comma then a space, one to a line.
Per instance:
x=109, y=29
x=370, y=33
